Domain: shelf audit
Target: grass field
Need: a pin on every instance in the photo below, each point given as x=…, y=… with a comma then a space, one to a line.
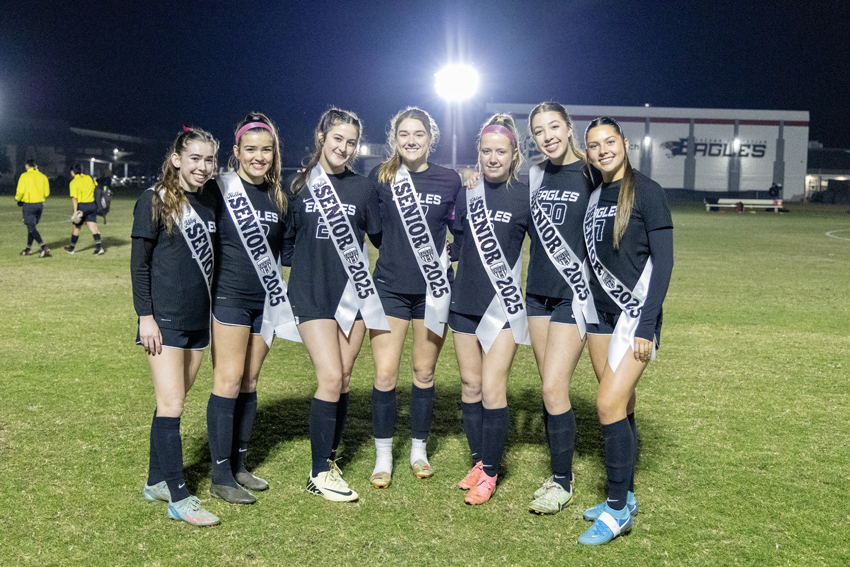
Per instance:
x=743, y=422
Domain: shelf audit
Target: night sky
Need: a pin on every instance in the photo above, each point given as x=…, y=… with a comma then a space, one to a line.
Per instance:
x=146, y=68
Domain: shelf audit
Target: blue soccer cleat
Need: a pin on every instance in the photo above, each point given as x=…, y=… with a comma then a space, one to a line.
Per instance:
x=611, y=523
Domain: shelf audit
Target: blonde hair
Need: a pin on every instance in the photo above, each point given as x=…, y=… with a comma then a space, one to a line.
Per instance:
x=332, y=117
x=272, y=177
x=507, y=121
x=626, y=198
x=552, y=106
x=169, y=206
x=388, y=169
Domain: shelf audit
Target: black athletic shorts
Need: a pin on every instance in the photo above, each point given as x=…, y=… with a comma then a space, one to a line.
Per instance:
x=558, y=309
x=89, y=211
x=32, y=214
x=183, y=340
x=466, y=324
x=239, y=317
x=405, y=306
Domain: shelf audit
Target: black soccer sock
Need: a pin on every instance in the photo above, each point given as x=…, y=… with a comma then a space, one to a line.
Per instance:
x=633, y=425
x=341, y=414
x=322, y=426
x=495, y=423
x=421, y=411
x=97, y=239
x=155, y=475
x=220, y=433
x=244, y=414
x=619, y=461
x=472, y=426
x=74, y=239
x=384, y=412
x=562, y=439
x=169, y=447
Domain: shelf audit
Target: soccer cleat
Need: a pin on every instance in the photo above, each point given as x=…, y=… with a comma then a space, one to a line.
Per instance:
x=381, y=480
x=331, y=486
x=552, y=501
x=250, y=481
x=337, y=471
x=549, y=482
x=99, y=250
x=158, y=491
x=189, y=510
x=69, y=249
x=234, y=495
x=609, y=525
x=483, y=490
x=591, y=514
x=26, y=252
x=45, y=252
x=422, y=469
x=471, y=478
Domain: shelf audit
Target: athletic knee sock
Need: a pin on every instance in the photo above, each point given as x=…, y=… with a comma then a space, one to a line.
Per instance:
x=322, y=426
x=472, y=426
x=633, y=425
x=494, y=429
x=619, y=461
x=244, y=414
x=562, y=438
x=170, y=449
x=546, y=421
x=421, y=411
x=74, y=239
x=97, y=239
x=341, y=414
x=384, y=412
x=383, y=455
x=155, y=475
x=220, y=433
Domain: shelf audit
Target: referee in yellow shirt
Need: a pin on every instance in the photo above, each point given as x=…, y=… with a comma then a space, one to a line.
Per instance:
x=33, y=189
x=82, y=197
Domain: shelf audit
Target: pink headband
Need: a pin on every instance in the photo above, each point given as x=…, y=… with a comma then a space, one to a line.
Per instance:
x=497, y=129
x=249, y=126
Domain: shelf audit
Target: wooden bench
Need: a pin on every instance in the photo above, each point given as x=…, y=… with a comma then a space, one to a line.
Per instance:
x=747, y=204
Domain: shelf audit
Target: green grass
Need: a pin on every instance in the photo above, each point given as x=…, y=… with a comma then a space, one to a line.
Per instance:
x=743, y=424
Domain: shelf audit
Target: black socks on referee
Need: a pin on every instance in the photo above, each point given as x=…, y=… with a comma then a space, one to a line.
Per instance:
x=421, y=411
x=322, y=427
x=472, y=425
x=561, y=431
x=220, y=432
x=244, y=414
x=494, y=429
x=619, y=461
x=169, y=447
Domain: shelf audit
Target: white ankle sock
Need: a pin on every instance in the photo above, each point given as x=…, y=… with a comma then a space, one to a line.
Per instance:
x=417, y=451
x=383, y=455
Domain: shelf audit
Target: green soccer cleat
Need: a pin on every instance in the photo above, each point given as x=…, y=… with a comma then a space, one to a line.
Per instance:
x=190, y=510
x=552, y=501
x=158, y=491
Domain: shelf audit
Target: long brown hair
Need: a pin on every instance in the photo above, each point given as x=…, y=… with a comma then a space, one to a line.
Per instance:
x=169, y=206
x=626, y=198
x=272, y=177
x=332, y=117
x=507, y=121
x=388, y=169
x=552, y=106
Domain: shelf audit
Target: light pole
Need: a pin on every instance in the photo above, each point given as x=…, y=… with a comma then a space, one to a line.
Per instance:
x=456, y=83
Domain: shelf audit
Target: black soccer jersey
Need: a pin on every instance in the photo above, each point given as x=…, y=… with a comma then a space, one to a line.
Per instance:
x=510, y=216
x=649, y=212
x=397, y=269
x=563, y=196
x=318, y=278
x=177, y=294
x=236, y=282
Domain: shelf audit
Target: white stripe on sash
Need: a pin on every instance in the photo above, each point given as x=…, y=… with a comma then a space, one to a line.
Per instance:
x=360, y=292
x=277, y=311
x=197, y=237
x=507, y=304
x=630, y=301
x=561, y=255
x=433, y=268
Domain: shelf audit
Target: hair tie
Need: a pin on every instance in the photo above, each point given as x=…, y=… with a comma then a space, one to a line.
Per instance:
x=249, y=126
x=187, y=128
x=498, y=129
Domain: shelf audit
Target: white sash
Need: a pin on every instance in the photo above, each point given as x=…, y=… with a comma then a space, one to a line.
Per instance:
x=561, y=255
x=507, y=304
x=360, y=292
x=630, y=301
x=277, y=311
x=434, y=269
x=197, y=237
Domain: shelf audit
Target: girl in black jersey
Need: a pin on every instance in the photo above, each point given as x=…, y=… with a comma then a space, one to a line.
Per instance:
x=416, y=200
x=239, y=299
x=332, y=293
x=171, y=267
x=490, y=225
x=560, y=191
x=629, y=236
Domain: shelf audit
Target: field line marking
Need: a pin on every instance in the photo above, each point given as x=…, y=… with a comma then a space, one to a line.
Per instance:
x=831, y=234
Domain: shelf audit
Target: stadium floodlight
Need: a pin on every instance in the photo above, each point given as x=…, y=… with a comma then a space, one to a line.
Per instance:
x=456, y=83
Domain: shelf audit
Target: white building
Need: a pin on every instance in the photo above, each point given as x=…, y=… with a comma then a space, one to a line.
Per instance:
x=699, y=149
